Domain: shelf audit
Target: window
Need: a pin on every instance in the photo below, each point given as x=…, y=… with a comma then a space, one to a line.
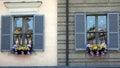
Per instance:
x=24, y=29
x=96, y=28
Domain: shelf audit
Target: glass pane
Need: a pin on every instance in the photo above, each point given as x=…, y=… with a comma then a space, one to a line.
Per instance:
x=29, y=30
x=18, y=25
x=17, y=39
x=29, y=26
x=91, y=23
x=102, y=37
x=91, y=38
x=102, y=24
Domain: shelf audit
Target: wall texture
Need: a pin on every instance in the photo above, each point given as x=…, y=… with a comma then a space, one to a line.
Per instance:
x=81, y=58
x=49, y=56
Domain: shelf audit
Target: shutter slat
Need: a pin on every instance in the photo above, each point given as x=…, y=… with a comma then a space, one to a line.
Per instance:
x=80, y=23
x=38, y=42
x=80, y=31
x=6, y=33
x=113, y=40
x=79, y=41
x=38, y=24
x=113, y=31
x=113, y=23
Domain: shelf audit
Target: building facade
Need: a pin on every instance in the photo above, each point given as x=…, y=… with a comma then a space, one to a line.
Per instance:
x=58, y=32
x=88, y=21
x=27, y=21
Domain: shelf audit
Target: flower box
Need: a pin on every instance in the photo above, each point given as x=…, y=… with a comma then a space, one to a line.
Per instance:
x=19, y=49
x=96, y=50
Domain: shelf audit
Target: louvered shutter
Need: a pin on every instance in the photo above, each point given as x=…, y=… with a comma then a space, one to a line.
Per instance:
x=80, y=31
x=113, y=31
x=38, y=35
x=6, y=33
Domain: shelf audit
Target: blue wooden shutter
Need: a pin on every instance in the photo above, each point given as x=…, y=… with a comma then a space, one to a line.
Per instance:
x=113, y=31
x=6, y=33
x=38, y=35
x=80, y=31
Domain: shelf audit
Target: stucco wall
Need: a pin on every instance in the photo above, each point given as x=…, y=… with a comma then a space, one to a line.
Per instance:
x=49, y=56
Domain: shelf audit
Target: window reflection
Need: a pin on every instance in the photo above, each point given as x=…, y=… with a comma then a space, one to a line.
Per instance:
x=102, y=23
x=29, y=26
x=96, y=29
x=102, y=36
x=91, y=23
x=91, y=38
x=23, y=30
x=18, y=25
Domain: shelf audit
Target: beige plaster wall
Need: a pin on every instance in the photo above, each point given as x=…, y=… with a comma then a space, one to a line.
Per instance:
x=49, y=56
